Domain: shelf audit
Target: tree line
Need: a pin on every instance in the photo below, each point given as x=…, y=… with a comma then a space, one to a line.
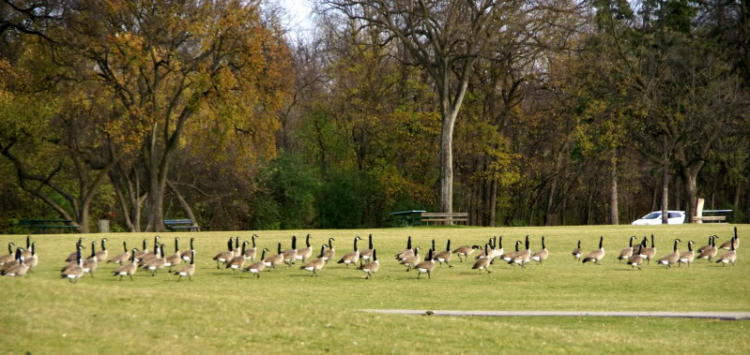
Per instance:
x=544, y=112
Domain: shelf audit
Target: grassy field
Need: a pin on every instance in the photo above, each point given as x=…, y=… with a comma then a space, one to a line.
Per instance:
x=288, y=310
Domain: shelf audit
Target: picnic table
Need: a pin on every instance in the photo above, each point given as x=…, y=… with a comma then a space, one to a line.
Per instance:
x=37, y=226
x=406, y=218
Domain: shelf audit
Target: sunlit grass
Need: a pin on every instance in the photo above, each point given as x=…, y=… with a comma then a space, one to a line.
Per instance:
x=288, y=310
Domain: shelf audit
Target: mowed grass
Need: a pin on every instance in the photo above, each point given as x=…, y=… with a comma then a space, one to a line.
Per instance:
x=287, y=310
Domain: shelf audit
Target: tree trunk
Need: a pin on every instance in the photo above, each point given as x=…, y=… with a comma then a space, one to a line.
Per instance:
x=665, y=183
x=614, y=212
x=689, y=179
x=183, y=202
x=493, y=203
x=665, y=195
x=446, y=164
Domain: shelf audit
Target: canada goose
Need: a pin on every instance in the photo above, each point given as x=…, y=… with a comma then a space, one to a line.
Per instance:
x=306, y=252
x=72, y=256
x=371, y=267
x=483, y=254
x=426, y=267
x=122, y=258
x=597, y=255
x=17, y=259
x=290, y=255
x=258, y=266
x=700, y=250
x=541, y=255
x=465, y=251
x=315, y=264
x=158, y=262
x=671, y=258
x=709, y=251
x=649, y=253
x=523, y=256
x=688, y=256
x=20, y=268
x=101, y=256
x=190, y=254
x=156, y=254
x=484, y=263
x=510, y=255
x=174, y=259
x=8, y=257
x=224, y=256
x=250, y=253
x=406, y=252
x=129, y=269
x=236, y=250
x=238, y=261
x=351, y=257
x=730, y=256
x=33, y=259
x=75, y=272
x=142, y=253
x=498, y=250
x=636, y=260
x=577, y=252
x=413, y=260
x=187, y=270
x=26, y=253
x=445, y=256
x=274, y=260
x=330, y=252
x=365, y=255
x=725, y=246
x=90, y=264
x=626, y=253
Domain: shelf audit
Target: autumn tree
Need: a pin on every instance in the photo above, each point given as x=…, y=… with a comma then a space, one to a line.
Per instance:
x=215, y=66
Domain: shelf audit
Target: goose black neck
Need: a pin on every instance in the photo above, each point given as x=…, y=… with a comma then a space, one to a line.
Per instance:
x=229, y=244
x=192, y=257
x=630, y=244
x=355, y=243
x=125, y=247
x=330, y=243
x=408, y=243
x=28, y=242
x=191, y=243
x=93, y=249
x=500, y=241
x=263, y=254
x=601, y=242
x=433, y=244
x=237, y=242
x=448, y=246
x=579, y=244
x=279, y=248
x=243, y=247
x=161, y=248
x=145, y=245
x=253, y=238
x=294, y=242
x=322, y=250
x=652, y=241
x=374, y=255
x=369, y=241
x=307, y=240
x=675, y=244
x=545, y=247
x=176, y=244
x=518, y=242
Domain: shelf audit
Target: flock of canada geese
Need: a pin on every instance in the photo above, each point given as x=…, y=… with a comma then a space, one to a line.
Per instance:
x=243, y=256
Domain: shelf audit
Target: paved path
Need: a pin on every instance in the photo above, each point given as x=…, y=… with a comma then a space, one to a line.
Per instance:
x=702, y=315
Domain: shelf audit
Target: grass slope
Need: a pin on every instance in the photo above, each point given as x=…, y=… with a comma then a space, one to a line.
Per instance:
x=288, y=310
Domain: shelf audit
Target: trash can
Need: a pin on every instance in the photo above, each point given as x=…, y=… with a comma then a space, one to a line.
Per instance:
x=103, y=226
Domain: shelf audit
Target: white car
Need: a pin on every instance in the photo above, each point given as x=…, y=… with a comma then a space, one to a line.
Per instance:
x=674, y=217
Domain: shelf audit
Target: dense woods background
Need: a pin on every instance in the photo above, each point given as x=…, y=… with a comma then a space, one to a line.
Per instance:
x=534, y=112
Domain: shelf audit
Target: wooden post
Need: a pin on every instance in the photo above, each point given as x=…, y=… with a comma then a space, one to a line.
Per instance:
x=699, y=210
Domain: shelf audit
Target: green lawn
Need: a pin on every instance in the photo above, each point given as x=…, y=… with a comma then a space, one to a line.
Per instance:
x=288, y=310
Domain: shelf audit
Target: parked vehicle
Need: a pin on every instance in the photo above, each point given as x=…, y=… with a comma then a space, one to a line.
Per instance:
x=674, y=217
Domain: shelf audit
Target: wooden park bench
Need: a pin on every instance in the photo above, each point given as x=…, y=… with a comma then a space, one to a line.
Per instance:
x=181, y=224
x=444, y=217
x=38, y=226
